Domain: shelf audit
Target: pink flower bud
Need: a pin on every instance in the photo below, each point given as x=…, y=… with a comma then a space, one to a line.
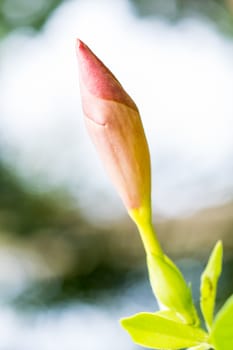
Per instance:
x=115, y=127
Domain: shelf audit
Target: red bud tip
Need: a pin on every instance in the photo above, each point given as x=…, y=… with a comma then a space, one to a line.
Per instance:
x=98, y=79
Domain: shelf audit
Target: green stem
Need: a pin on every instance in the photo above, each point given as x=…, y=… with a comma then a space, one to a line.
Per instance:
x=142, y=218
x=149, y=238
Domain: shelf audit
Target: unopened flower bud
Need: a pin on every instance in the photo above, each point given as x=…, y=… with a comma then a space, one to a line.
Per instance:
x=115, y=127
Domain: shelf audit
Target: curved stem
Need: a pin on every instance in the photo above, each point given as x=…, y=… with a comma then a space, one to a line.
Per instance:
x=142, y=218
x=149, y=238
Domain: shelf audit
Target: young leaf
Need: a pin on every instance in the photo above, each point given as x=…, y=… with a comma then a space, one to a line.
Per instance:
x=153, y=331
x=209, y=281
x=170, y=315
x=222, y=329
x=170, y=288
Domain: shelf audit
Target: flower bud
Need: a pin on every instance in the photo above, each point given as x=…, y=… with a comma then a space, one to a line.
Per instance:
x=115, y=127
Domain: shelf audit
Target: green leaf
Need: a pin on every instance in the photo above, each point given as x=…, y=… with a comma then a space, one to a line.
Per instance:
x=222, y=329
x=209, y=281
x=153, y=331
x=170, y=288
x=170, y=315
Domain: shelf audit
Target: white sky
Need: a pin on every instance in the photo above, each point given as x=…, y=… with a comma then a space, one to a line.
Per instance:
x=181, y=78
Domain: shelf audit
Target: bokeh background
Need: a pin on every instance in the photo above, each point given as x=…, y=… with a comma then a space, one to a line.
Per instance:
x=71, y=262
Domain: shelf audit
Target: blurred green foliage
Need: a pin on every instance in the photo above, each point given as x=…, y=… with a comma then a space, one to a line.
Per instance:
x=22, y=211
x=16, y=14
x=220, y=12
x=30, y=14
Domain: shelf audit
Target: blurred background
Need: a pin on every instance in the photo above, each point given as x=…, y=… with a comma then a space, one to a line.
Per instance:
x=71, y=262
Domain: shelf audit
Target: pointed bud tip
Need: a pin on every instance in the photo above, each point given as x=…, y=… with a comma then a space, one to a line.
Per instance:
x=98, y=79
x=79, y=44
